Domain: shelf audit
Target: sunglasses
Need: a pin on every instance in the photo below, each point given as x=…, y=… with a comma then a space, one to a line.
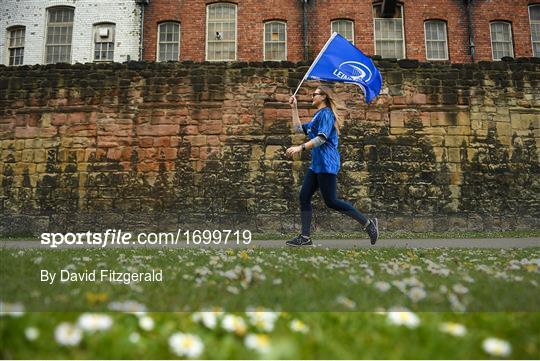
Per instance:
x=315, y=94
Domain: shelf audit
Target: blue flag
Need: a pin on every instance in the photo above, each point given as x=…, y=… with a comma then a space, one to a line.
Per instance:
x=341, y=61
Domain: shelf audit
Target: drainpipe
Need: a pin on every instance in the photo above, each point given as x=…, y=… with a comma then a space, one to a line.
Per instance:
x=142, y=4
x=304, y=9
x=470, y=29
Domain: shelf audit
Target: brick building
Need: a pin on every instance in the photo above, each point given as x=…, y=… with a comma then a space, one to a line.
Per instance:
x=252, y=30
x=50, y=31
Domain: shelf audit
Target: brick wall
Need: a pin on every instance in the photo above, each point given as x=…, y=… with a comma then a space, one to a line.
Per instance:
x=251, y=14
x=32, y=14
x=487, y=11
x=159, y=146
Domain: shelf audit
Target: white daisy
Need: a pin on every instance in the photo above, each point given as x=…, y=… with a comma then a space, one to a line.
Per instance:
x=257, y=342
x=298, y=326
x=67, y=334
x=146, y=323
x=382, y=286
x=460, y=289
x=416, y=294
x=234, y=324
x=453, y=328
x=403, y=318
x=496, y=347
x=348, y=303
x=207, y=318
x=184, y=344
x=262, y=319
x=31, y=333
x=127, y=306
x=134, y=337
x=94, y=322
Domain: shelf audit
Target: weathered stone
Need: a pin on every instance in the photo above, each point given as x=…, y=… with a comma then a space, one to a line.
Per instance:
x=440, y=146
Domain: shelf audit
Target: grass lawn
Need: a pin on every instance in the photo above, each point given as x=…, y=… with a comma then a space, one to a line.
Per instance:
x=318, y=303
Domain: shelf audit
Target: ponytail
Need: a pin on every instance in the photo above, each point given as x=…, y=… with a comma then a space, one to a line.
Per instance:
x=332, y=103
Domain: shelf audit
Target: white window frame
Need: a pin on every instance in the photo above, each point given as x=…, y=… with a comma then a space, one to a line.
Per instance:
x=445, y=40
x=47, y=14
x=235, y=31
x=264, y=39
x=491, y=38
x=95, y=29
x=402, y=29
x=530, y=24
x=158, y=40
x=9, y=32
x=342, y=20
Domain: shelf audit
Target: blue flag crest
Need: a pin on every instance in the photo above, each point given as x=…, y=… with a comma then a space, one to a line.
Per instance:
x=341, y=61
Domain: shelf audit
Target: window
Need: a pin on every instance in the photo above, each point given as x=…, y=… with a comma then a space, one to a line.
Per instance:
x=169, y=41
x=16, y=45
x=389, y=41
x=534, y=17
x=104, y=42
x=344, y=28
x=501, y=40
x=275, y=41
x=59, y=32
x=436, y=43
x=221, y=32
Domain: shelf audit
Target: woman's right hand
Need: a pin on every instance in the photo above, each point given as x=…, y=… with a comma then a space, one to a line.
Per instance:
x=292, y=102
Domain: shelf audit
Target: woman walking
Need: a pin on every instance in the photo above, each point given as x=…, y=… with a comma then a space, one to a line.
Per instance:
x=323, y=131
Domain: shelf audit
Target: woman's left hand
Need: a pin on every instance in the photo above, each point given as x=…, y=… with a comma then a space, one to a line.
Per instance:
x=293, y=150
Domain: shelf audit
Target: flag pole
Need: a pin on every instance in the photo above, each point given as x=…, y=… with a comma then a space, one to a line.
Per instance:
x=315, y=61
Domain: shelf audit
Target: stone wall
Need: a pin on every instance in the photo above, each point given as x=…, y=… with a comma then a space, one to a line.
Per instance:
x=158, y=146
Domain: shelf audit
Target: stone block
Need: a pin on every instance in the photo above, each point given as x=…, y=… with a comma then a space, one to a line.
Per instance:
x=145, y=142
x=439, y=153
x=435, y=140
x=454, y=140
x=398, y=131
x=463, y=119
x=439, y=119
x=195, y=140
x=454, y=155
x=433, y=131
x=273, y=152
x=168, y=153
x=189, y=130
x=157, y=130
x=458, y=130
x=419, y=99
x=211, y=127
x=161, y=142
x=397, y=119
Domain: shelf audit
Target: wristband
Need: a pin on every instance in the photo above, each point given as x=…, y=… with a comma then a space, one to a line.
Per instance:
x=303, y=146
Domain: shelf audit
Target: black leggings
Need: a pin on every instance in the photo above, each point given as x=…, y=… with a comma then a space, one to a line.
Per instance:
x=327, y=184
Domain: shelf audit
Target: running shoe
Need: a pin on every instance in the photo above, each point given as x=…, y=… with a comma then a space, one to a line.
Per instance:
x=373, y=230
x=299, y=241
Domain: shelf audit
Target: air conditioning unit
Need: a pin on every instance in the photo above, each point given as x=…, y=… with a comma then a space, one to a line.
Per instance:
x=104, y=32
x=104, y=35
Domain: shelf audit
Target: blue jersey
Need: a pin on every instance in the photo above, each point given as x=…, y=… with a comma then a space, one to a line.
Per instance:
x=324, y=158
